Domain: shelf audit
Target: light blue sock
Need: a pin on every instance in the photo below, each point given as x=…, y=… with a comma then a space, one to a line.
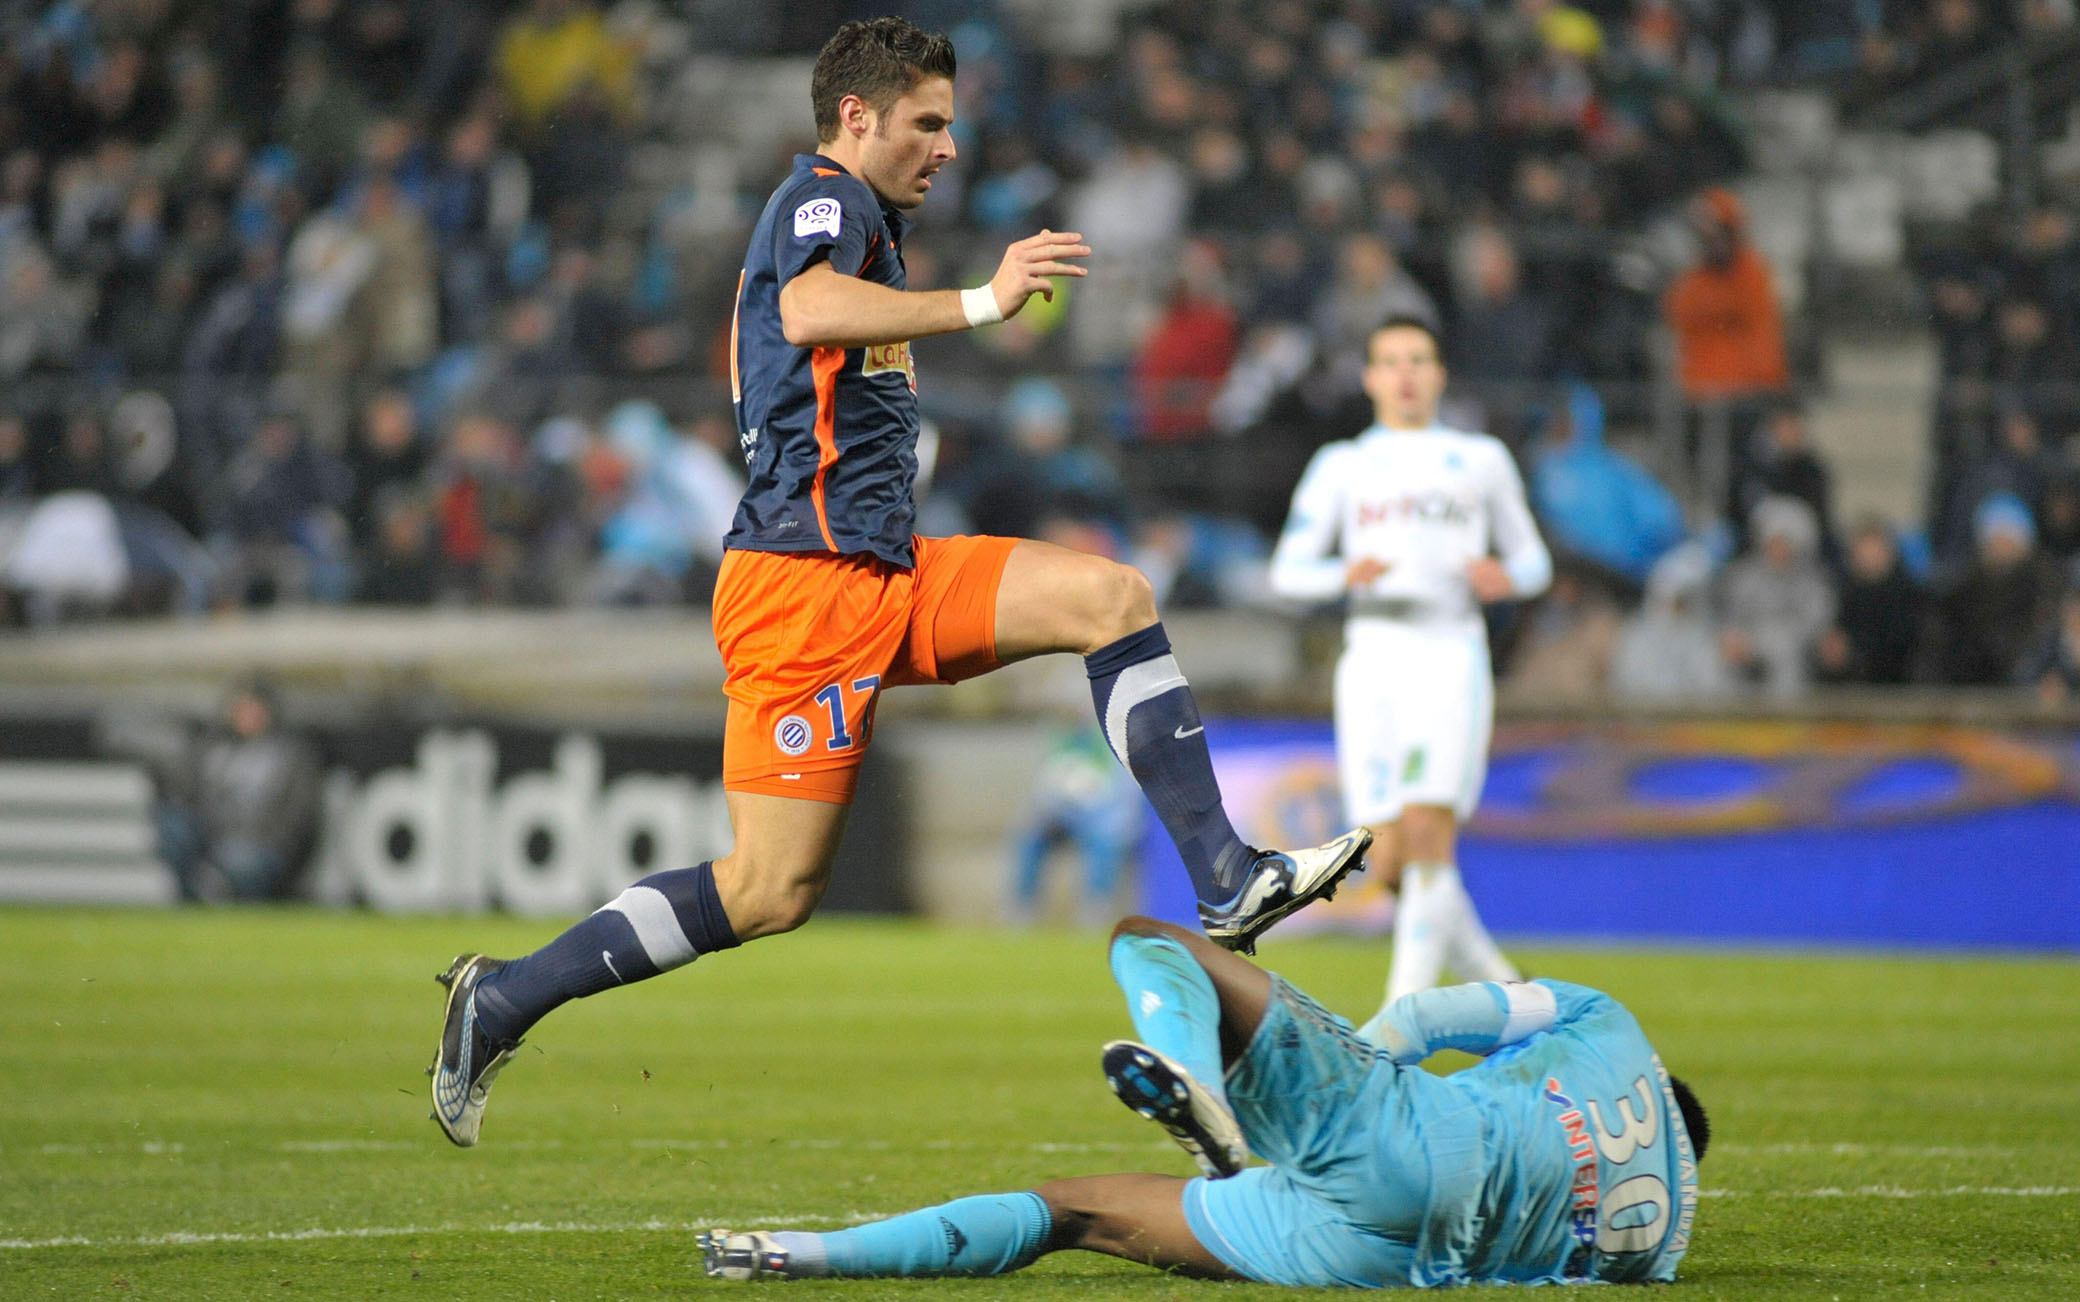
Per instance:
x=1172, y=1002
x=989, y=1234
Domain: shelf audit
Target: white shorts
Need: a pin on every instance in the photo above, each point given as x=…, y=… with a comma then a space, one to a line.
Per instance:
x=1415, y=708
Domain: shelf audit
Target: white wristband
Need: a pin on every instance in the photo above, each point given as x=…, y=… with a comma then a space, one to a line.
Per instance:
x=980, y=305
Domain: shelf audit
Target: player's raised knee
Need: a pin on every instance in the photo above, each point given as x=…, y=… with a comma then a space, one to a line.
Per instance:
x=1125, y=601
x=1137, y=599
x=1138, y=925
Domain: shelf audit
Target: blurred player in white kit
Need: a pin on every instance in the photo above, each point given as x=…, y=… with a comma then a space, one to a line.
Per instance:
x=1421, y=525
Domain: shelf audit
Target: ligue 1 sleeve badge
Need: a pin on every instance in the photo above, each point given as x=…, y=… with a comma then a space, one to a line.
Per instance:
x=817, y=215
x=792, y=734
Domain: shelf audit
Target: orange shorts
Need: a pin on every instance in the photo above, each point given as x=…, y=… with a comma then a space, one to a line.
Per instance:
x=809, y=640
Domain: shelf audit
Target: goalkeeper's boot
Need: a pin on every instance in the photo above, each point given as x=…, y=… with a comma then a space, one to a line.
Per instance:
x=468, y=1060
x=742, y=1256
x=1281, y=882
x=1197, y=1118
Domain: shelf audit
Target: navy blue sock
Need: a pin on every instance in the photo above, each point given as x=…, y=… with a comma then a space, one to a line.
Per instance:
x=1153, y=726
x=664, y=921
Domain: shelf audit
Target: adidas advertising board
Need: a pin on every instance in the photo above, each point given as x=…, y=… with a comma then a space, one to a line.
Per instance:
x=460, y=816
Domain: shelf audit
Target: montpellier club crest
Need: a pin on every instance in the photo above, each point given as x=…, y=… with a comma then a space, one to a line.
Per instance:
x=792, y=734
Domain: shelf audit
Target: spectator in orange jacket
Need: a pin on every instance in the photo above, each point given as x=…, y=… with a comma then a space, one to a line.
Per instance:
x=1729, y=332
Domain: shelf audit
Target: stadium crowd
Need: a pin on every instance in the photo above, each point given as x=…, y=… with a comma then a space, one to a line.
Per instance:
x=367, y=301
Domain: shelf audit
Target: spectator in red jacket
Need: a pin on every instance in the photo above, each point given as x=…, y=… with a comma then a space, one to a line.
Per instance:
x=1185, y=358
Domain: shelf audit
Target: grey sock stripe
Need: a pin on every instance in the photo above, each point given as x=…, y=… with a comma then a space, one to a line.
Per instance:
x=656, y=925
x=806, y=1255
x=1135, y=684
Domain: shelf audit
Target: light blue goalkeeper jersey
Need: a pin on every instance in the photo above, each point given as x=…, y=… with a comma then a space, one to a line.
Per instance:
x=1582, y=1168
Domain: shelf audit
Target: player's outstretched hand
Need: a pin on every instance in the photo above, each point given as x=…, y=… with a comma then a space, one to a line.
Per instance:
x=1029, y=266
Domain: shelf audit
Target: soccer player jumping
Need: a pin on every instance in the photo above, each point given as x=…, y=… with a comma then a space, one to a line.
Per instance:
x=826, y=597
x=1569, y=1154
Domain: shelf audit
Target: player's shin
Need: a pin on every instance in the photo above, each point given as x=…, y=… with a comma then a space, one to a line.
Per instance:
x=1153, y=726
x=1425, y=921
x=988, y=1234
x=1472, y=952
x=1172, y=1001
x=664, y=921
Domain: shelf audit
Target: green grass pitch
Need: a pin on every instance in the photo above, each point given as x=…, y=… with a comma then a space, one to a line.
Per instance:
x=231, y=1105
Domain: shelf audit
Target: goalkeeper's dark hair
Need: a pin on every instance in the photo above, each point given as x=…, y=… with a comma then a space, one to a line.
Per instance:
x=1407, y=321
x=876, y=59
x=1694, y=1120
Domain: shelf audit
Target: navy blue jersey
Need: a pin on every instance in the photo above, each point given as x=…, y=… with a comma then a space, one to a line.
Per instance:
x=830, y=434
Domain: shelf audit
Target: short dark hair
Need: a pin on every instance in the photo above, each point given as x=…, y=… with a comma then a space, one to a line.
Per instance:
x=1407, y=321
x=1694, y=1119
x=878, y=60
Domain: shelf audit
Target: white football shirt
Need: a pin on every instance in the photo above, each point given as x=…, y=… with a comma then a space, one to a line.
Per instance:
x=1426, y=503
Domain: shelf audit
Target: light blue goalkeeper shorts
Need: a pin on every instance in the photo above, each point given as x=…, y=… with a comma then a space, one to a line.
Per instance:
x=1341, y=1204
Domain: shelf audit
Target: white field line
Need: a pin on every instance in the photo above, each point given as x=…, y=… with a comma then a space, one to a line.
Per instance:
x=885, y=1145
x=192, y=1238
x=157, y=1148
x=1901, y=1191
x=150, y=1147
x=1870, y=1150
